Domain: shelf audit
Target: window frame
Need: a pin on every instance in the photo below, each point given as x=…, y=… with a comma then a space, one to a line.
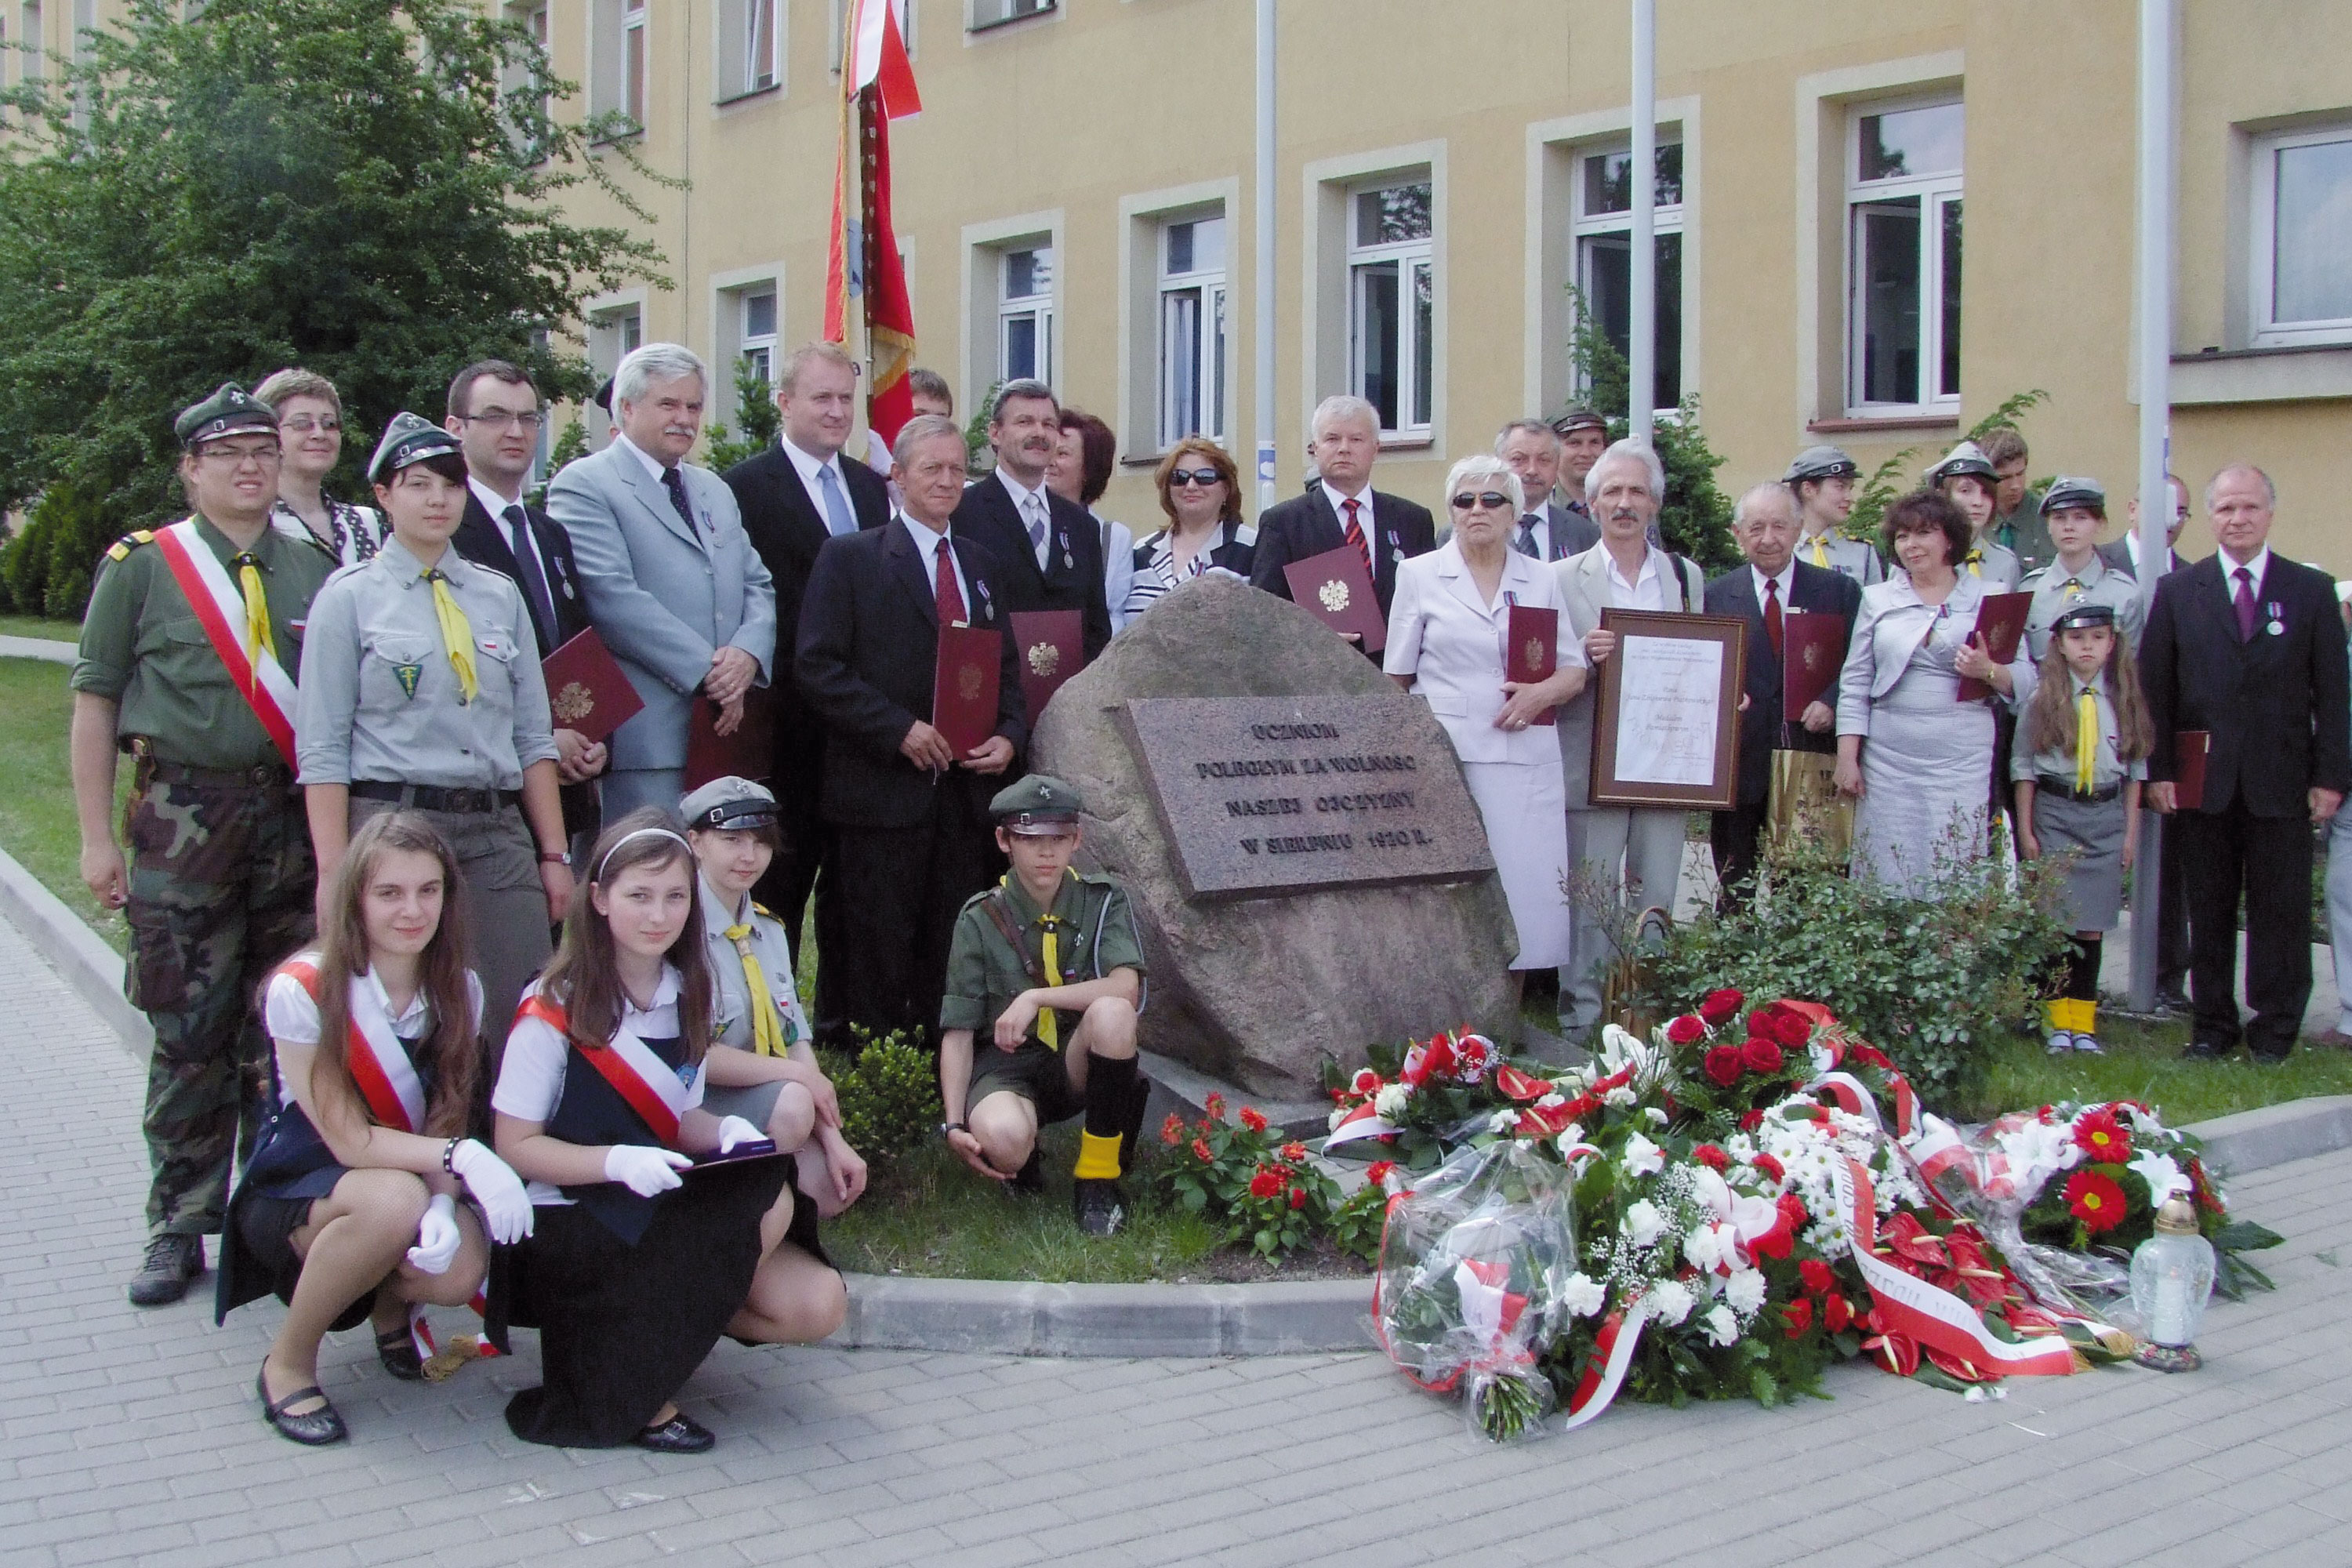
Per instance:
x=1415, y=361
x=2266, y=331
x=1584, y=226
x=974, y=22
x=1212, y=355
x=636, y=61
x=1037, y=305
x=1935, y=192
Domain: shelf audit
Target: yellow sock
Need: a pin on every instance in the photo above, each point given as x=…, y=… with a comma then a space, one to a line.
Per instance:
x=1097, y=1158
x=2087, y=1017
x=2058, y=1014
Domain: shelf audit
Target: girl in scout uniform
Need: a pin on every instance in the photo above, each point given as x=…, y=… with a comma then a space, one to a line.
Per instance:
x=1822, y=478
x=635, y=1265
x=421, y=691
x=763, y=1066
x=1967, y=475
x=2082, y=750
x=349, y=1207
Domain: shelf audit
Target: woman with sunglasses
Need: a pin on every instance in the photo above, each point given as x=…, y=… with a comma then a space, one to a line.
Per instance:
x=310, y=425
x=1199, y=490
x=1448, y=627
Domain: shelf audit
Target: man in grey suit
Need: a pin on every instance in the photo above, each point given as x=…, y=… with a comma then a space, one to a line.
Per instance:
x=672, y=584
x=1546, y=531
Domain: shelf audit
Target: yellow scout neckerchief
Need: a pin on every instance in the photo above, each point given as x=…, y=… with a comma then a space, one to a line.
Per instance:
x=258, y=639
x=1049, y=1028
x=456, y=633
x=767, y=1024
x=1821, y=550
x=2086, y=738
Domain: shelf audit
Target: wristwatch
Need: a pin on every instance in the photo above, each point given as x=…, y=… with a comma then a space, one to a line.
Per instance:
x=554, y=858
x=948, y=1127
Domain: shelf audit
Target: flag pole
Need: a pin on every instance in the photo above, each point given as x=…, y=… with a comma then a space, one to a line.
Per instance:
x=1641, y=293
x=1262, y=390
x=2156, y=132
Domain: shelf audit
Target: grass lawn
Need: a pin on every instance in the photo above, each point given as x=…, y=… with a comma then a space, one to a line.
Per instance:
x=36, y=812
x=35, y=627
x=2143, y=1062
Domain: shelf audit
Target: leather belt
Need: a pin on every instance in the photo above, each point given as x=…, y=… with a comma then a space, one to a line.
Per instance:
x=434, y=798
x=2052, y=785
x=270, y=775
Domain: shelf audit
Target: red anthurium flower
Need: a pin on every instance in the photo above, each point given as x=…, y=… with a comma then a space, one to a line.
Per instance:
x=1688, y=1029
x=1723, y=1063
x=1443, y=1058
x=1713, y=1158
x=1266, y=1183
x=1171, y=1132
x=2096, y=1200
x=1898, y=1352
x=1835, y=1314
x=1201, y=1151
x=1770, y=1169
x=1799, y=1314
x=1518, y=1085
x=1817, y=1275
x=1913, y=1242
x=1720, y=1005
x=1546, y=1120
x=1952, y=1366
x=2102, y=1139
x=1762, y=1056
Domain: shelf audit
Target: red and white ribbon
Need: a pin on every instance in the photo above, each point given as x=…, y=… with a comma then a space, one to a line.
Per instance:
x=639, y=1077
x=220, y=610
x=1359, y=1124
x=377, y=1059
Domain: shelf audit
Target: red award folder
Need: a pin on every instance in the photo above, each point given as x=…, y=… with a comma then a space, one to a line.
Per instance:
x=2001, y=621
x=1534, y=649
x=1812, y=651
x=747, y=754
x=587, y=690
x=1335, y=587
x=964, y=689
x=1051, y=647
x=2188, y=750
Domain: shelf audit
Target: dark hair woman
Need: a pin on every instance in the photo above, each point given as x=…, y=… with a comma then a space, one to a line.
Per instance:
x=1201, y=493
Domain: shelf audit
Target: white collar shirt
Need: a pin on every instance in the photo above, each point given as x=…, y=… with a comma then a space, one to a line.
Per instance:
x=1363, y=499
x=927, y=545
x=651, y=464
x=809, y=466
x=496, y=505
x=1646, y=592
x=1027, y=503
x=2259, y=567
x=1787, y=579
x=1540, y=533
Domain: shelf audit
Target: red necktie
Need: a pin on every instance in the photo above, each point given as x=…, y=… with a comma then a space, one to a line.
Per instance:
x=944, y=588
x=1355, y=532
x=1772, y=613
x=2244, y=601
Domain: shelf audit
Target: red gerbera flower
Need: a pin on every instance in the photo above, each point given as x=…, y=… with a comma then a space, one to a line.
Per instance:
x=1171, y=1132
x=1253, y=1118
x=1713, y=1158
x=2102, y=1139
x=1724, y=1066
x=1719, y=1006
x=2095, y=1200
x=1266, y=1183
x=1762, y=1056
x=1687, y=1029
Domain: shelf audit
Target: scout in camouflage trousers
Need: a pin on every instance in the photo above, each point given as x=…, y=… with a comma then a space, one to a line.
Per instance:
x=184, y=663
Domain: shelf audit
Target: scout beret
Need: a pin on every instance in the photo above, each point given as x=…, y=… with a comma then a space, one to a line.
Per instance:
x=229, y=411
x=2066, y=491
x=409, y=438
x=2083, y=614
x=1820, y=463
x=1577, y=419
x=1968, y=457
x=1038, y=804
x=728, y=805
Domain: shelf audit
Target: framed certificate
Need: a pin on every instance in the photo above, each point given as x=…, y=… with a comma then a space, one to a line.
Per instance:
x=1665, y=726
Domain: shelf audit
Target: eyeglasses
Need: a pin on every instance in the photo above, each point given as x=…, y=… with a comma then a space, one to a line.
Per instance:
x=504, y=419
x=305, y=425
x=1204, y=477
x=234, y=457
x=1493, y=501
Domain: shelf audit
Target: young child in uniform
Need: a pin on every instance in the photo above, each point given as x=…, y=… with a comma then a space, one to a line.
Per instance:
x=2080, y=753
x=1047, y=966
x=350, y=1206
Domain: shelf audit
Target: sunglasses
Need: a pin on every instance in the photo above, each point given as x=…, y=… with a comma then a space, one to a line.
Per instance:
x=1493, y=501
x=1204, y=477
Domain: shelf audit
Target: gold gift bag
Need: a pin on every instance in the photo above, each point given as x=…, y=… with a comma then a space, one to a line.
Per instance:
x=1805, y=801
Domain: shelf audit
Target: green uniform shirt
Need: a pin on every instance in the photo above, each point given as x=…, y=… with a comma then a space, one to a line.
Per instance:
x=143, y=649
x=984, y=973
x=2025, y=534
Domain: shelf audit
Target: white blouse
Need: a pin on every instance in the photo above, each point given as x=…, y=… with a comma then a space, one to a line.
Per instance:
x=1451, y=642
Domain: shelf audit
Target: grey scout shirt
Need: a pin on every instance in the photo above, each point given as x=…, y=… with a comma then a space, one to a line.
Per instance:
x=2105, y=769
x=380, y=700
x=1854, y=557
x=2053, y=589
x=731, y=1025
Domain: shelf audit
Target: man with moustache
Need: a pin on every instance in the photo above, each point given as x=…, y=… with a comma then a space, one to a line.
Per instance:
x=672, y=583
x=1048, y=550
x=1342, y=508
x=1546, y=531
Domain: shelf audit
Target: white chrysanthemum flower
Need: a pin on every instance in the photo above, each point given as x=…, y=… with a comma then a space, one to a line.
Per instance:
x=1740, y=1147
x=1583, y=1295
x=1830, y=1236
x=1670, y=1302
x=1745, y=1291
x=1722, y=1328
x=1333, y=1121
x=1642, y=1223
x=1622, y=1097
x=1642, y=1158
x=1390, y=1103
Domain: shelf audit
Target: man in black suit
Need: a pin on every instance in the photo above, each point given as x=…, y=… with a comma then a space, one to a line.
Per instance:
x=2248, y=646
x=1774, y=586
x=1342, y=508
x=793, y=497
x=913, y=837
x=494, y=411
x=1546, y=530
x=1048, y=548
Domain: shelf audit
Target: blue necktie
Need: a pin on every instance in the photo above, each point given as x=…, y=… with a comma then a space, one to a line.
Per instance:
x=837, y=506
x=675, y=482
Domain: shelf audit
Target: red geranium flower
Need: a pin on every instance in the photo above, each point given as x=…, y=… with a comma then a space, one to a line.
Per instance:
x=1836, y=1313
x=1253, y=1118
x=1713, y=1158
x=1719, y=1006
x=1376, y=1173
x=1294, y=1152
x=2095, y=1200
x=1201, y=1151
x=1298, y=1197
x=1799, y=1315
x=1816, y=1275
x=1171, y=1132
x=1723, y=1065
x=1266, y=1183
x=1687, y=1029
x=1762, y=1056
x=1769, y=1168
x=2102, y=1139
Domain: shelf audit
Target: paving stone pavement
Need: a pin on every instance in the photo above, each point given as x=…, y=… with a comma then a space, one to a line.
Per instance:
x=133, y=1437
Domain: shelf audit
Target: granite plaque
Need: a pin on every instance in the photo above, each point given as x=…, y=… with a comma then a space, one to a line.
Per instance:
x=1262, y=797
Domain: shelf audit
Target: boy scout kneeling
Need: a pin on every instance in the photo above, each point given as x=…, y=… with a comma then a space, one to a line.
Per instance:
x=1046, y=962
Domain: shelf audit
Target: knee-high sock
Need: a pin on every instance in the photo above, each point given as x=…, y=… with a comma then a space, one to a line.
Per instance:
x=1110, y=1081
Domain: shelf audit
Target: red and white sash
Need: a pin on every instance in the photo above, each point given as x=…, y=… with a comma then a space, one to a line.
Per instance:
x=220, y=609
x=652, y=1088
x=378, y=1061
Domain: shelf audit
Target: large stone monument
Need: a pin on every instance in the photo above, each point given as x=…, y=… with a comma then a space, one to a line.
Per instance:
x=1306, y=861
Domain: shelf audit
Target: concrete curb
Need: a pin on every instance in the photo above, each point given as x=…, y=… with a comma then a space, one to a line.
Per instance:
x=46, y=649
x=1018, y=1318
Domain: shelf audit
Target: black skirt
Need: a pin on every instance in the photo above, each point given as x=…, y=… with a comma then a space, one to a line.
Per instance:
x=621, y=1327
x=257, y=1253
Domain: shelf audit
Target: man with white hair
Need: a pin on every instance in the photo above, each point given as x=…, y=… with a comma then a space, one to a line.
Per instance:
x=1343, y=508
x=1638, y=849
x=672, y=584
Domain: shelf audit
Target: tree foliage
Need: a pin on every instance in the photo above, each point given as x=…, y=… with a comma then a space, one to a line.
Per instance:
x=1889, y=482
x=1695, y=518
x=757, y=421
x=341, y=185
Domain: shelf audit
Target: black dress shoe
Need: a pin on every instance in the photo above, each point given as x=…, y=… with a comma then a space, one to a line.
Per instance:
x=2173, y=1000
x=1101, y=1207
x=397, y=1350
x=676, y=1436
x=311, y=1428
x=2205, y=1051
x=1031, y=1177
x=171, y=1266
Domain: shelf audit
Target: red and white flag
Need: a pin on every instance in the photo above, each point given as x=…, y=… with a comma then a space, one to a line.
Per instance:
x=878, y=86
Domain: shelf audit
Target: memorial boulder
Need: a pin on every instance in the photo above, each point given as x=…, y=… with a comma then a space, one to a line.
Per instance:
x=1304, y=858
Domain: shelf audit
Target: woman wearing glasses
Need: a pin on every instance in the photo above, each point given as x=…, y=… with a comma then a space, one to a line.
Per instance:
x=310, y=424
x=1199, y=490
x=1448, y=627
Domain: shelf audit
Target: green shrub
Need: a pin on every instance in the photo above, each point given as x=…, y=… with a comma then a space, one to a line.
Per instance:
x=889, y=1094
x=1695, y=515
x=46, y=569
x=756, y=415
x=1899, y=476
x=1933, y=981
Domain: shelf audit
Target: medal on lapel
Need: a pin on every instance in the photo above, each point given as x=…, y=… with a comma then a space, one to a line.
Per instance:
x=2278, y=624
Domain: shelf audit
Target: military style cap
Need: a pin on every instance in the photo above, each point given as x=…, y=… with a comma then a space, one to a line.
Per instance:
x=409, y=438
x=2065, y=491
x=2083, y=612
x=1038, y=804
x=229, y=411
x=1577, y=419
x=728, y=805
x=1820, y=463
x=1968, y=457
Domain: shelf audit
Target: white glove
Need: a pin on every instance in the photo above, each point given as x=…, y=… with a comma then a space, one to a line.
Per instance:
x=505, y=1204
x=436, y=1237
x=734, y=1130
x=644, y=1171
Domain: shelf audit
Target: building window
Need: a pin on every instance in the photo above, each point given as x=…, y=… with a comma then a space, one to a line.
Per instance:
x=1391, y=304
x=613, y=335
x=751, y=49
x=1024, y=314
x=634, y=47
x=1192, y=330
x=1903, y=257
x=988, y=13
x=514, y=74
x=757, y=346
x=1604, y=228
x=2301, y=230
